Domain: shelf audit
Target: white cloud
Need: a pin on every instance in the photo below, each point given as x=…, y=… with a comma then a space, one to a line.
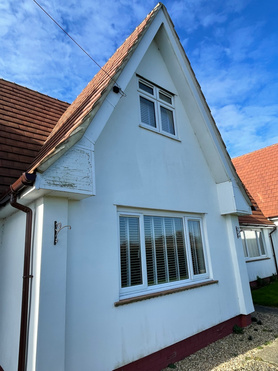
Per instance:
x=34, y=52
x=246, y=129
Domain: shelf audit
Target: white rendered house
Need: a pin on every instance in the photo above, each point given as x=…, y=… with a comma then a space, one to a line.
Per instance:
x=148, y=267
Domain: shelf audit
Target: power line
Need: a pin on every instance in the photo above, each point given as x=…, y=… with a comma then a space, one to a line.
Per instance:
x=120, y=90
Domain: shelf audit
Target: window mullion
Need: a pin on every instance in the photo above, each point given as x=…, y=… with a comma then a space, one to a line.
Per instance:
x=188, y=249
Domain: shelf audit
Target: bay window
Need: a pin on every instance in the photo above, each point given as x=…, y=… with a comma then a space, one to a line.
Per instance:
x=159, y=252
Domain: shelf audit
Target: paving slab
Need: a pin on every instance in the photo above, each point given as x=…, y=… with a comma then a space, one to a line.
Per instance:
x=269, y=353
x=263, y=309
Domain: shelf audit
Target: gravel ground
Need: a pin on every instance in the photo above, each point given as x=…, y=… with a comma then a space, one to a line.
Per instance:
x=236, y=351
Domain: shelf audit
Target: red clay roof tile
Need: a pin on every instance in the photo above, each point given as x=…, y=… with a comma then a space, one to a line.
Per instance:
x=258, y=171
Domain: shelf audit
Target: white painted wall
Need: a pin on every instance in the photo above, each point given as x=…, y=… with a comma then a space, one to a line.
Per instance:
x=275, y=238
x=51, y=303
x=11, y=271
x=139, y=168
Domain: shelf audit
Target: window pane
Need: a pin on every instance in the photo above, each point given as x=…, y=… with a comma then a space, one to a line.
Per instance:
x=150, y=251
x=146, y=88
x=165, y=249
x=244, y=244
x=147, y=112
x=196, y=245
x=171, y=249
x=182, y=260
x=261, y=242
x=167, y=120
x=131, y=273
x=166, y=98
x=161, y=269
x=252, y=245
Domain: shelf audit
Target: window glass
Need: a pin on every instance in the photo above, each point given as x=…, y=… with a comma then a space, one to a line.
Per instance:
x=146, y=88
x=158, y=255
x=164, y=97
x=147, y=112
x=131, y=271
x=165, y=249
x=260, y=240
x=253, y=243
x=153, y=109
x=196, y=245
x=244, y=244
x=167, y=120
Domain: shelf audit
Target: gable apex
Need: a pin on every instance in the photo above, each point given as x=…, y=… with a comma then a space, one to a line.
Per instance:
x=90, y=99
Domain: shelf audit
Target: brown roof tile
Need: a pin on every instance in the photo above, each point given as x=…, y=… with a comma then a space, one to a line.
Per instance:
x=258, y=171
x=26, y=120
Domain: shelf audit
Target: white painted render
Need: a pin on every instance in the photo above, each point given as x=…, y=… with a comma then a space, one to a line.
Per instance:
x=75, y=325
x=78, y=161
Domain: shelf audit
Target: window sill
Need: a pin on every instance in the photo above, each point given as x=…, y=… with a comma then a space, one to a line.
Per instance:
x=163, y=293
x=256, y=259
x=154, y=130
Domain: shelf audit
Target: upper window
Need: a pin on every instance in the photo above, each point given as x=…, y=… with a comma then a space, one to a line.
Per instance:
x=156, y=108
x=160, y=251
x=253, y=243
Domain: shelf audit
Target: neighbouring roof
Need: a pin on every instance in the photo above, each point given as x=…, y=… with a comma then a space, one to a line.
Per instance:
x=258, y=171
x=26, y=119
x=257, y=217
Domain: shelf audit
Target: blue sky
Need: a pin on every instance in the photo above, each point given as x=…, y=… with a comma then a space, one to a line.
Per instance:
x=232, y=46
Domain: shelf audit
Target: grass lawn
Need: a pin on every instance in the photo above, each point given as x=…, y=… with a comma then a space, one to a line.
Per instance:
x=267, y=295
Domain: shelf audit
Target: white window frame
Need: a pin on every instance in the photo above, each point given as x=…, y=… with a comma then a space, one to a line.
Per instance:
x=245, y=245
x=137, y=290
x=158, y=103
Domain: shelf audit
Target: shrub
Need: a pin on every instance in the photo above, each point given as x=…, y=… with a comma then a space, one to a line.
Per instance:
x=237, y=329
